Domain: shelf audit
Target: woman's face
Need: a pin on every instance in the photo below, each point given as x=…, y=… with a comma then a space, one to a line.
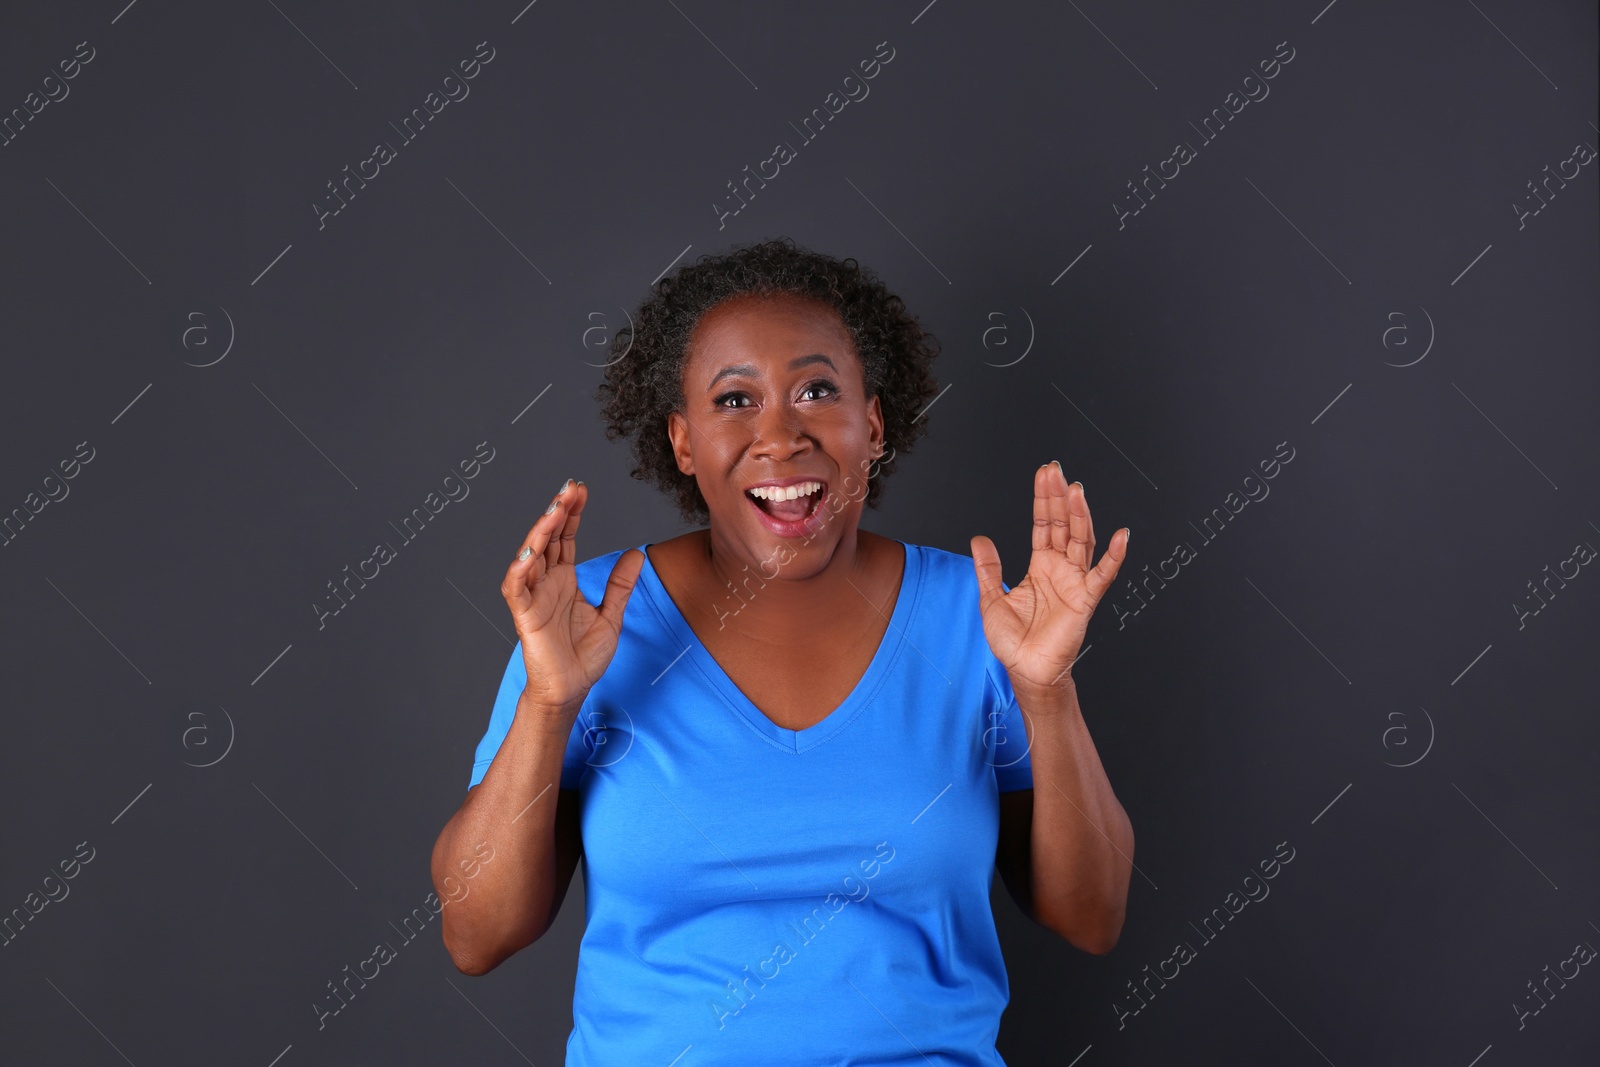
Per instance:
x=774, y=398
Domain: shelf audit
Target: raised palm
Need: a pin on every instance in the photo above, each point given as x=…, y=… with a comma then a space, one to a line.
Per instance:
x=1037, y=628
x=566, y=641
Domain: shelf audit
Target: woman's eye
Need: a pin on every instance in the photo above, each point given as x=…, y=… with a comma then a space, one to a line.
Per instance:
x=723, y=401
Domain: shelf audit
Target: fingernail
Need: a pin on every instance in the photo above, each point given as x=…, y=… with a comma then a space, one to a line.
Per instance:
x=1129, y=530
x=524, y=554
x=1056, y=463
x=563, y=488
x=580, y=481
x=1078, y=484
x=553, y=505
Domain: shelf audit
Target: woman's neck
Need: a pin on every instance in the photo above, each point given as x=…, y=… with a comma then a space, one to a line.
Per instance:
x=790, y=596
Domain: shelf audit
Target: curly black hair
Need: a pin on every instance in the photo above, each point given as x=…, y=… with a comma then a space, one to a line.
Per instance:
x=644, y=375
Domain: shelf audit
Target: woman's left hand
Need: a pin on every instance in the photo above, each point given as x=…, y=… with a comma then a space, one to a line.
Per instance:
x=1037, y=628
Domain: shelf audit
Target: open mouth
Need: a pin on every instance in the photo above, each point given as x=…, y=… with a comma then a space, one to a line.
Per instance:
x=789, y=504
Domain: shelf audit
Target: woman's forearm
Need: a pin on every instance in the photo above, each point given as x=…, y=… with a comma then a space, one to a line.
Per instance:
x=1081, y=840
x=502, y=863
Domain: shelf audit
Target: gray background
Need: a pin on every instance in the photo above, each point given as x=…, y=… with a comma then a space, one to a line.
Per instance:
x=159, y=616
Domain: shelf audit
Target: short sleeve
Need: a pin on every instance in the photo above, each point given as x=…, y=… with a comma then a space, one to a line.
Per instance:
x=588, y=729
x=1005, y=735
x=512, y=682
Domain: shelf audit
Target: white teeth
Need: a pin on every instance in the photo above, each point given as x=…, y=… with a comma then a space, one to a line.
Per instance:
x=791, y=492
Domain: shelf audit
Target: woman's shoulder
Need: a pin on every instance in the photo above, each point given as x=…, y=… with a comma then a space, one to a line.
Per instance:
x=947, y=577
x=941, y=561
x=949, y=614
x=594, y=572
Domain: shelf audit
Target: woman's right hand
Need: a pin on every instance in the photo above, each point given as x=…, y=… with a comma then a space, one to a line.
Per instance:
x=566, y=642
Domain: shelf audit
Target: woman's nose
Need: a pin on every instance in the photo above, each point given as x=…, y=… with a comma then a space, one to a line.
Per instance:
x=780, y=433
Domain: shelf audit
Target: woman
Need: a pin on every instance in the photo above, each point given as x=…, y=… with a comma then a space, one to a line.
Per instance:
x=792, y=765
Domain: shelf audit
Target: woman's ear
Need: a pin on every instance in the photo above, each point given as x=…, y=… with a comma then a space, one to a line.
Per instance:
x=875, y=422
x=678, y=434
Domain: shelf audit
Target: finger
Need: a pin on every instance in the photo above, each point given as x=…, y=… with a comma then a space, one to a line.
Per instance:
x=1041, y=509
x=986, y=564
x=539, y=533
x=1105, y=572
x=552, y=548
x=569, y=531
x=1060, y=506
x=1082, y=528
x=620, y=586
x=525, y=569
x=1088, y=517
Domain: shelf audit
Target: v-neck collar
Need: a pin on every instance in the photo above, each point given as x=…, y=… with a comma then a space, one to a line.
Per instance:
x=699, y=657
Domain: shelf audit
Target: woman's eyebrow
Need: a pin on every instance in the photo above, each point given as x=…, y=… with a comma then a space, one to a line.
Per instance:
x=750, y=371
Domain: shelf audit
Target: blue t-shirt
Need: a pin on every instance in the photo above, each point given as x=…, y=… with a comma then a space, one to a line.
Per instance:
x=759, y=895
